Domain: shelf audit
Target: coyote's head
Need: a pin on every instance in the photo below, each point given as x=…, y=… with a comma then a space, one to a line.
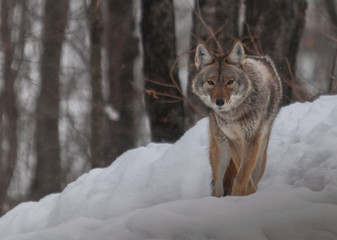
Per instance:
x=221, y=82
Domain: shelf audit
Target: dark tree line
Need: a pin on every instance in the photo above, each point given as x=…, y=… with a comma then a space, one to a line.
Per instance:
x=277, y=33
x=8, y=111
x=108, y=53
x=97, y=123
x=164, y=107
x=122, y=48
x=48, y=167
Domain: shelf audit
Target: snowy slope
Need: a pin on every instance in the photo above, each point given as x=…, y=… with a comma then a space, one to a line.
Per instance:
x=162, y=191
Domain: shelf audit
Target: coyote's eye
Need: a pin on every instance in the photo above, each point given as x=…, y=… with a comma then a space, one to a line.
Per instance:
x=210, y=82
x=230, y=81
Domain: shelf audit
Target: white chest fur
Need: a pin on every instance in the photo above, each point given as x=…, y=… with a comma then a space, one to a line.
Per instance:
x=233, y=131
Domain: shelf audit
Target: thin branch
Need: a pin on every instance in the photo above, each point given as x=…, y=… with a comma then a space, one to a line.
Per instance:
x=179, y=90
x=208, y=39
x=160, y=83
x=155, y=94
x=198, y=14
x=328, y=36
x=252, y=40
x=294, y=87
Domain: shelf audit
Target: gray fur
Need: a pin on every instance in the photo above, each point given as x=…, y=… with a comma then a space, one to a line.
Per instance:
x=202, y=56
x=237, y=55
x=252, y=90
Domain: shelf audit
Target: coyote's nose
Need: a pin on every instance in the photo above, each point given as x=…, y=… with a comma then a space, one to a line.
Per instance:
x=219, y=102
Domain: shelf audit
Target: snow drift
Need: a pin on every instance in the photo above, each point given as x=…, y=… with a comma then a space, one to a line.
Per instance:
x=162, y=191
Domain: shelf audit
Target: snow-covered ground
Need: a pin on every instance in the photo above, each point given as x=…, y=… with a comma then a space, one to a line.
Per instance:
x=162, y=191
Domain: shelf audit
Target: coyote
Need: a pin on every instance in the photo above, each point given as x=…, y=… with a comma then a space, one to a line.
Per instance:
x=244, y=95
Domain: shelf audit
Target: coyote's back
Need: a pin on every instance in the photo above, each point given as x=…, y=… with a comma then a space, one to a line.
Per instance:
x=244, y=94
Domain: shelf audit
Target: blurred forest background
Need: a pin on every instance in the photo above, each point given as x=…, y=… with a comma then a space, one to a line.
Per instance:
x=83, y=81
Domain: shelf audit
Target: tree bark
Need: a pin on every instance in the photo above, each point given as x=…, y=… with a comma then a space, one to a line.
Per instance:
x=331, y=7
x=8, y=110
x=163, y=100
x=122, y=48
x=48, y=167
x=276, y=27
x=222, y=17
x=97, y=140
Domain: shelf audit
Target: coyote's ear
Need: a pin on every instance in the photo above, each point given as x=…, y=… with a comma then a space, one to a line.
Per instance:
x=202, y=57
x=237, y=55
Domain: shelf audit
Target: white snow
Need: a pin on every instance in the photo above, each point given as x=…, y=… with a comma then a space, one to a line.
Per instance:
x=162, y=191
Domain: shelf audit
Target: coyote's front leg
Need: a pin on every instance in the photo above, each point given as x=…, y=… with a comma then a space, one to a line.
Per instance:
x=248, y=159
x=219, y=158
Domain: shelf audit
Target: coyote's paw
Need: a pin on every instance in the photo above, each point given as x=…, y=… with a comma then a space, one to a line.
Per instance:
x=250, y=189
x=218, y=192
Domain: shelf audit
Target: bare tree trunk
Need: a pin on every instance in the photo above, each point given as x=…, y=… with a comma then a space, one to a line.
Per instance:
x=163, y=101
x=48, y=168
x=122, y=48
x=331, y=7
x=276, y=27
x=8, y=117
x=97, y=140
x=222, y=18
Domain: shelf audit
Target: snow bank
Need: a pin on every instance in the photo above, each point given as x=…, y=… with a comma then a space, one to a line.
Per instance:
x=162, y=191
